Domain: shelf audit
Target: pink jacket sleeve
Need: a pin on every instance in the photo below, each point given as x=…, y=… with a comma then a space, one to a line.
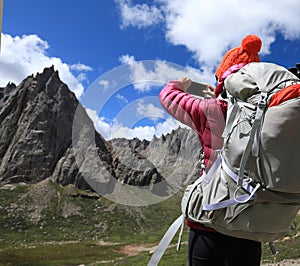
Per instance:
x=184, y=107
x=206, y=117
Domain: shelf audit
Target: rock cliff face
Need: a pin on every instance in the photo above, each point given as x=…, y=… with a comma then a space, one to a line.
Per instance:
x=36, y=129
x=36, y=119
x=175, y=155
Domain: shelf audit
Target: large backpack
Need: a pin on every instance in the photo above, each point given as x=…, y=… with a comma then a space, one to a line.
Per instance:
x=253, y=189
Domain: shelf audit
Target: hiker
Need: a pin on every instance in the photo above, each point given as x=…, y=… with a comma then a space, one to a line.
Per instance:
x=207, y=117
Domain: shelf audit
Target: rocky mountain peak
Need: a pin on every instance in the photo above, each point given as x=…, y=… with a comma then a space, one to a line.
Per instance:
x=4, y=92
x=36, y=119
x=32, y=120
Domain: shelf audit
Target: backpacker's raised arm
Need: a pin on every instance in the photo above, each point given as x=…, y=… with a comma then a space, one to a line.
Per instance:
x=184, y=107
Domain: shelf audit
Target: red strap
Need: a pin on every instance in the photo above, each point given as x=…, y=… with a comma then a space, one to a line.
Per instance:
x=285, y=94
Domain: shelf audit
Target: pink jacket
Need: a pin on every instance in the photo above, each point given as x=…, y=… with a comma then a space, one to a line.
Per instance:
x=205, y=116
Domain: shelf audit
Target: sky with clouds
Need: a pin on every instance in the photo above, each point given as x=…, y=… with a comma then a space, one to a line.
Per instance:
x=117, y=55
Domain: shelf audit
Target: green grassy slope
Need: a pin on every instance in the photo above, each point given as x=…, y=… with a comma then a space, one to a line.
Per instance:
x=46, y=224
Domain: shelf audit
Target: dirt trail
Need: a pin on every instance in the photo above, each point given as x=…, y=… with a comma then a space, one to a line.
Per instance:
x=136, y=249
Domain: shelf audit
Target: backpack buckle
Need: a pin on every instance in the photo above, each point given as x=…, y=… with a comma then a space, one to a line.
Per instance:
x=262, y=102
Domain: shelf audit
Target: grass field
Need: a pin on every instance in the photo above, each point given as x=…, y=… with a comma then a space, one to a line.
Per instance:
x=46, y=224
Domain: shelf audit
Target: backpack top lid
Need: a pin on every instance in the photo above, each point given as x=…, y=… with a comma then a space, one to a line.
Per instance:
x=254, y=78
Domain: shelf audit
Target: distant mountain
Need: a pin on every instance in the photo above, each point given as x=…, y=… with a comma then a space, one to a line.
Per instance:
x=37, y=142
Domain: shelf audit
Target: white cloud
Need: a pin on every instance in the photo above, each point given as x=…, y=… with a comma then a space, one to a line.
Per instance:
x=149, y=110
x=105, y=84
x=121, y=98
x=100, y=125
x=80, y=67
x=144, y=132
x=150, y=73
x=26, y=55
x=208, y=28
x=127, y=59
x=140, y=15
x=116, y=129
x=167, y=126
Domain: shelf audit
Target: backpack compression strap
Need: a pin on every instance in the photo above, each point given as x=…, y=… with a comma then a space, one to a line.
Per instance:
x=262, y=103
x=237, y=199
x=253, y=142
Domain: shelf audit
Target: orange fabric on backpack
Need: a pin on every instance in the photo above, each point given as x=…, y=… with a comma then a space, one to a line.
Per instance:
x=287, y=93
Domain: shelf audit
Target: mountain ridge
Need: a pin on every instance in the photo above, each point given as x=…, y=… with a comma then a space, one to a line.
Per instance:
x=36, y=119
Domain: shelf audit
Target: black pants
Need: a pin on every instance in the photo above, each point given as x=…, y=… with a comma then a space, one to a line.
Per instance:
x=215, y=249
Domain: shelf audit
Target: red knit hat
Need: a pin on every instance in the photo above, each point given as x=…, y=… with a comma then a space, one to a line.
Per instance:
x=246, y=53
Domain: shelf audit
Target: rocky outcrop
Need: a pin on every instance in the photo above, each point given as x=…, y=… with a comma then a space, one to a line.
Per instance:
x=36, y=125
x=38, y=141
x=4, y=93
x=36, y=132
x=179, y=153
x=174, y=156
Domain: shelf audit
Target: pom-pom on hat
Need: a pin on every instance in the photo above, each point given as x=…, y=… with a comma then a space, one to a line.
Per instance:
x=246, y=53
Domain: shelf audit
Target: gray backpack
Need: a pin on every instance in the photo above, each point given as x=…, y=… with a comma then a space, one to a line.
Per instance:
x=253, y=189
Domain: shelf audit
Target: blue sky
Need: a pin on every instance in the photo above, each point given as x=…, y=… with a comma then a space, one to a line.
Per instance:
x=116, y=55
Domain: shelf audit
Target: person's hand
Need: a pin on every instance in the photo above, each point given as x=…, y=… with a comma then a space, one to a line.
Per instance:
x=185, y=83
x=209, y=92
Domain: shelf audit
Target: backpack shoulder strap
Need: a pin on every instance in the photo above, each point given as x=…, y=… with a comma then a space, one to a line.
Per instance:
x=165, y=241
x=180, y=221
